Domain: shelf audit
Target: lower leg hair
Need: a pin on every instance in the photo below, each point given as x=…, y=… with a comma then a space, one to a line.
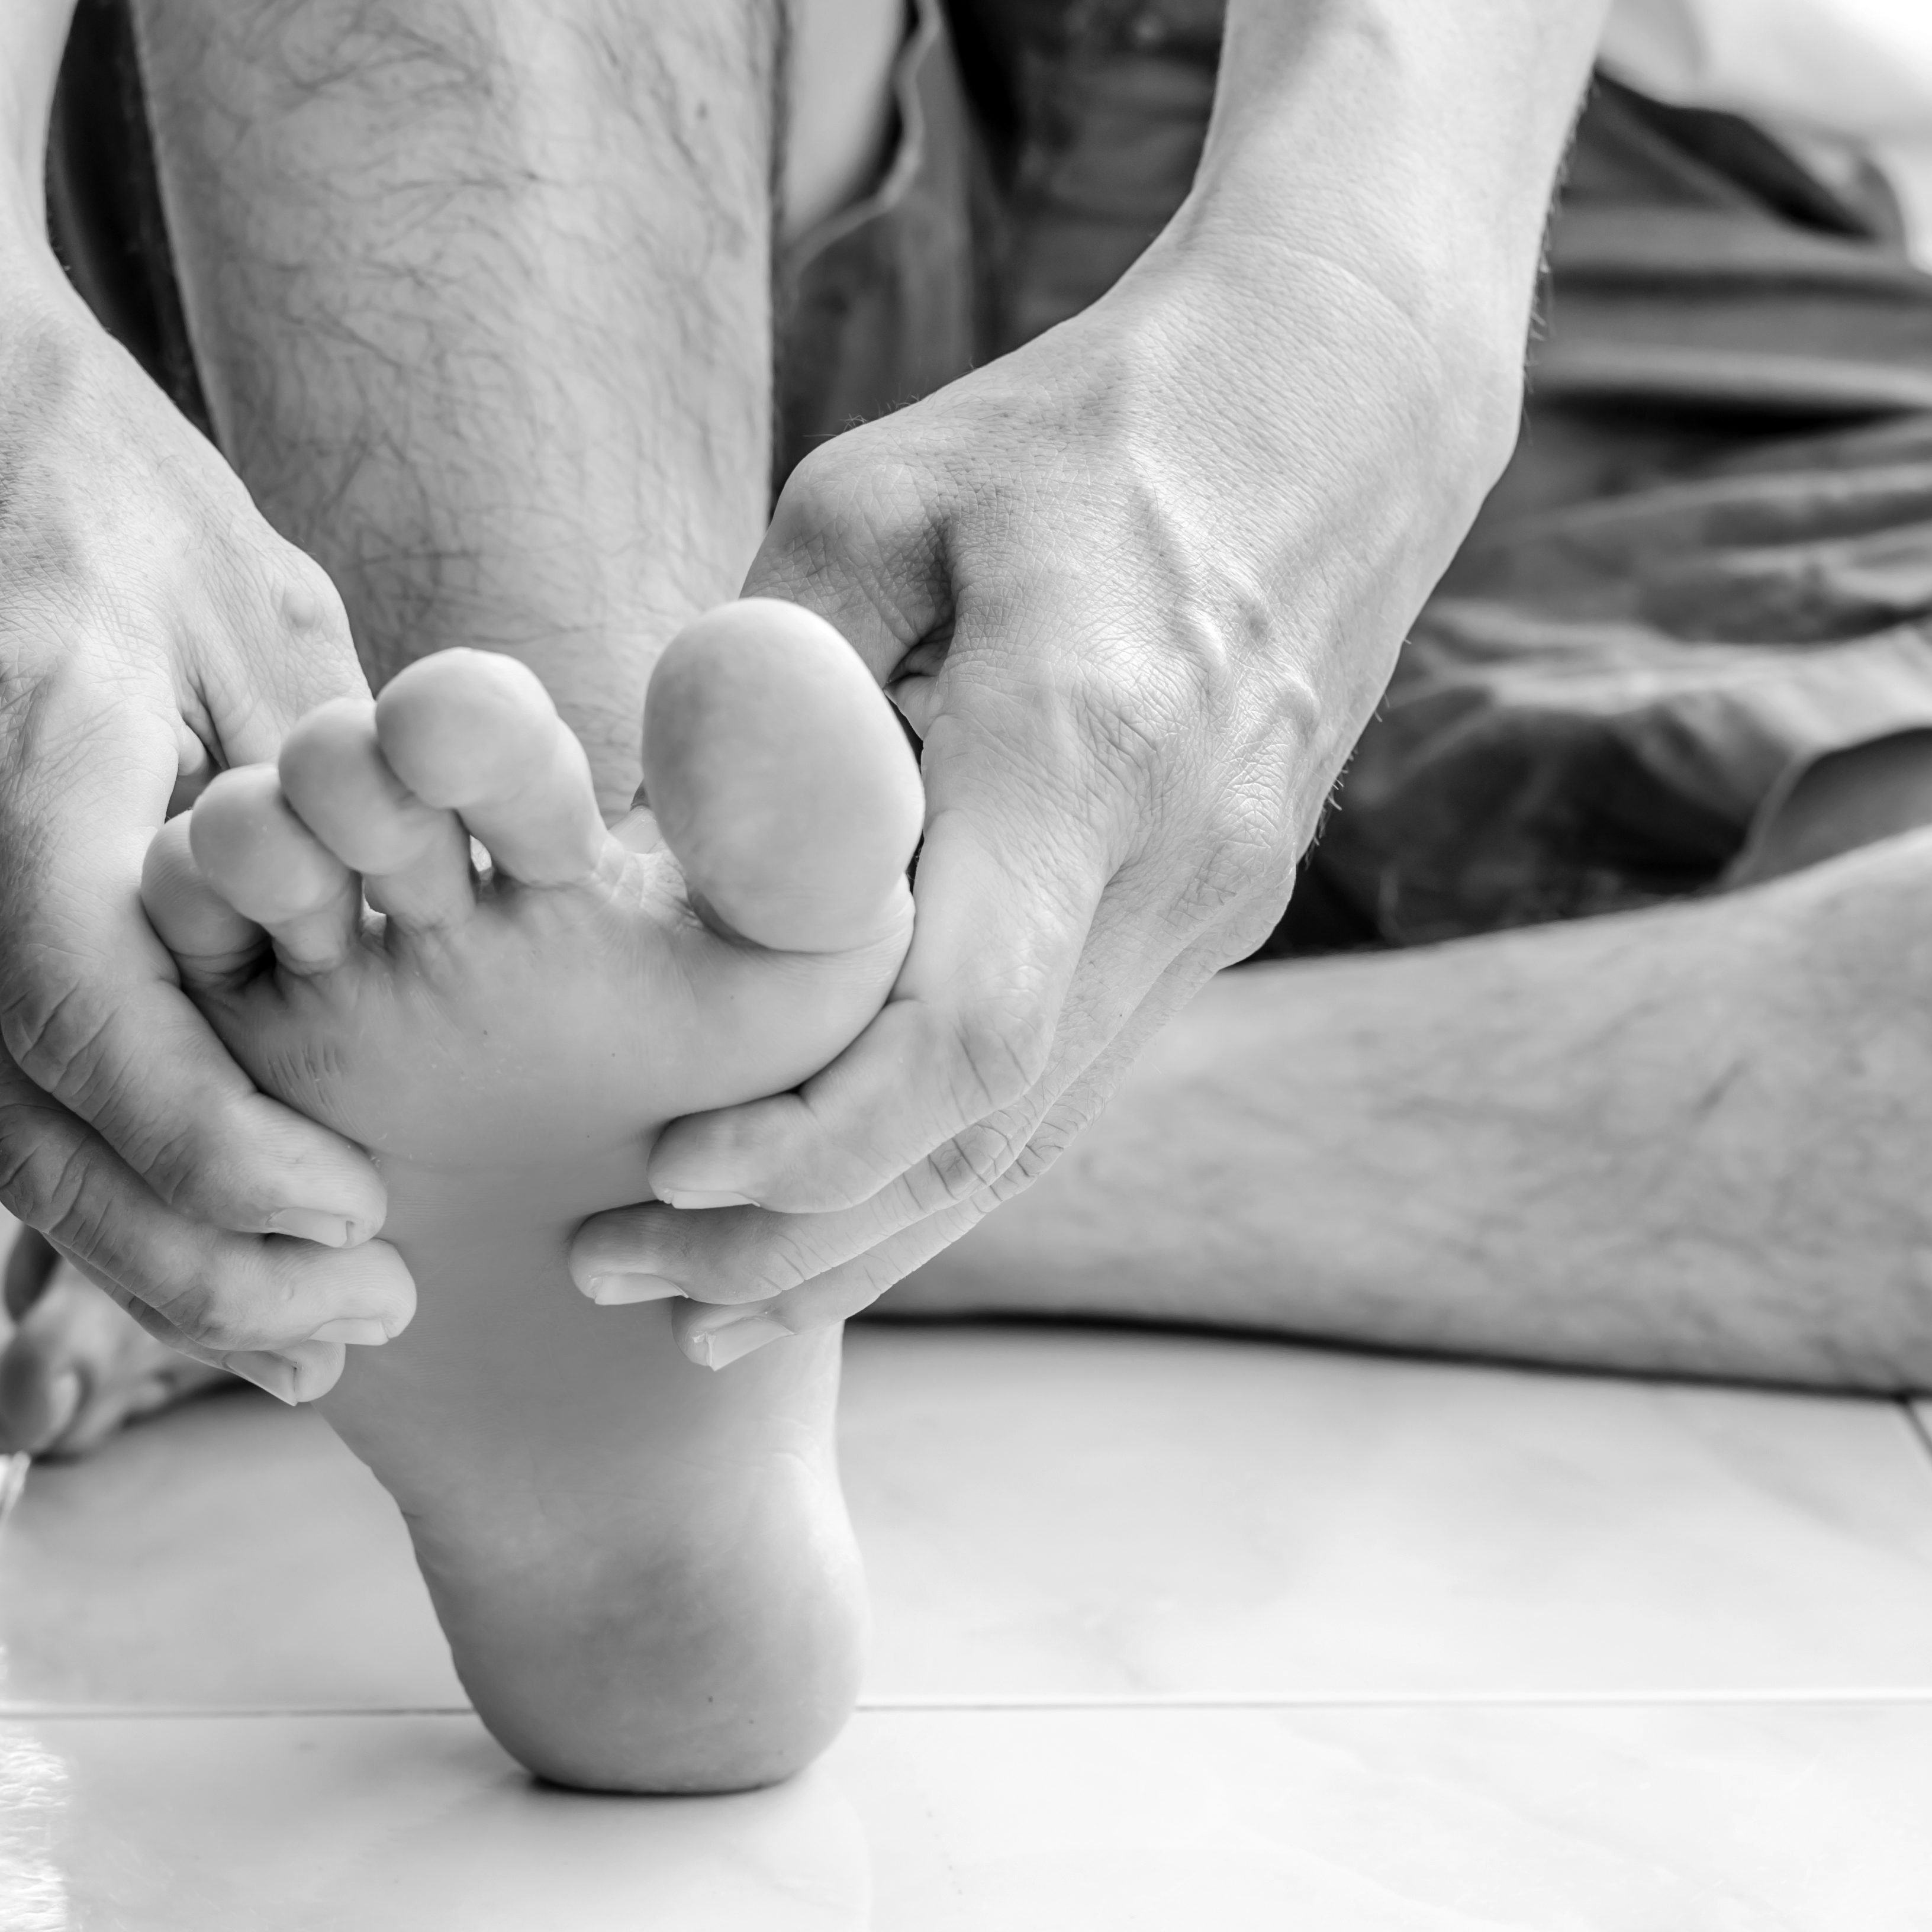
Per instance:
x=1687, y=1141
x=481, y=297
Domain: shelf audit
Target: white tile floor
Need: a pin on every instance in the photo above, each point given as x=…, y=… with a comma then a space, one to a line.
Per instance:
x=1173, y=1632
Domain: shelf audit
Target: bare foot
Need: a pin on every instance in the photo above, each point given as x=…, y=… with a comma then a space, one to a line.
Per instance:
x=75, y=1367
x=645, y=1571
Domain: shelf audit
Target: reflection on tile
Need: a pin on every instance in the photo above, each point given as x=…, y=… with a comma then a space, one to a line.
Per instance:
x=1051, y=1510
x=230, y=1554
x=390, y=1824
x=1635, y=1820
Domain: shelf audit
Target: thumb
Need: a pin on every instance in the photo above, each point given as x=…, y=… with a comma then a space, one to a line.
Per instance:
x=861, y=540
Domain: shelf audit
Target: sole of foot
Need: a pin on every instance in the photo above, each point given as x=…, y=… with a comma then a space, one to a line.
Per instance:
x=644, y=1569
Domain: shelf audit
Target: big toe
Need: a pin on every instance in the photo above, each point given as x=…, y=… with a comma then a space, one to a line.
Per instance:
x=782, y=779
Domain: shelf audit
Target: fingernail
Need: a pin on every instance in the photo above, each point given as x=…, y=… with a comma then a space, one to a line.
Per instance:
x=719, y=1348
x=614, y=1291
x=331, y=1231
x=358, y=1331
x=704, y=1197
x=272, y=1373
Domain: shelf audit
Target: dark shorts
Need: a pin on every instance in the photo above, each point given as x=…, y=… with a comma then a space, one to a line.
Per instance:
x=1710, y=562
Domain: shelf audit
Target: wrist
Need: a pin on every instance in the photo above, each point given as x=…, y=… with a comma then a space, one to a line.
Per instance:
x=1408, y=148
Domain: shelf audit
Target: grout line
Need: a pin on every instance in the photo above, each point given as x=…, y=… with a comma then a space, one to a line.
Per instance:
x=10, y=1713
x=1374, y=1700
x=1852, y=1696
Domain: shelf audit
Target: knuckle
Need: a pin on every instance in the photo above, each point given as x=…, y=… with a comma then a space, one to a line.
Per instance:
x=1031, y=1161
x=175, y=1161
x=307, y=601
x=971, y=1164
x=1247, y=848
x=42, y=1176
x=55, y=1033
x=998, y=1050
x=827, y=509
x=786, y=1260
x=217, y=1299
x=853, y=523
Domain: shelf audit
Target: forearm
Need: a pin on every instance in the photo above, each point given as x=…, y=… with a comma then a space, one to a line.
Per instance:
x=1351, y=280
x=1418, y=144
x=480, y=293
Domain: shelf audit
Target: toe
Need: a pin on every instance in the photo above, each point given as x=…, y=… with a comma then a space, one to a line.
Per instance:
x=414, y=858
x=781, y=779
x=476, y=732
x=208, y=938
x=267, y=864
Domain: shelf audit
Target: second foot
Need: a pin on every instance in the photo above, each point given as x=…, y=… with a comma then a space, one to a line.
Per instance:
x=75, y=1367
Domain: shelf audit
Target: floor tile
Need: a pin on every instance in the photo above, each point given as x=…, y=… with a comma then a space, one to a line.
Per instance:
x=1633, y=1820
x=1053, y=1513
x=1050, y=1510
x=232, y=1553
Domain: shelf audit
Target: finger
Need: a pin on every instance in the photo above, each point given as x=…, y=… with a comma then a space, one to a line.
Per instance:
x=216, y=1292
x=735, y=1256
x=475, y=732
x=414, y=859
x=714, y=1336
x=781, y=780
x=210, y=941
x=91, y=1007
x=967, y=1031
x=271, y=868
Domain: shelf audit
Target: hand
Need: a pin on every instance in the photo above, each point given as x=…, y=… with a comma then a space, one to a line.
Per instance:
x=153, y=629
x=1136, y=587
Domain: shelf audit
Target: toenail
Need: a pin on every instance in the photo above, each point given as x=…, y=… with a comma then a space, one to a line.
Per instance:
x=719, y=1348
x=614, y=1291
x=273, y=1374
x=359, y=1332
x=306, y=1224
x=704, y=1197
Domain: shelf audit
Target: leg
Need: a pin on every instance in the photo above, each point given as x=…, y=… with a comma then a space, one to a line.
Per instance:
x=1687, y=1141
x=481, y=297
